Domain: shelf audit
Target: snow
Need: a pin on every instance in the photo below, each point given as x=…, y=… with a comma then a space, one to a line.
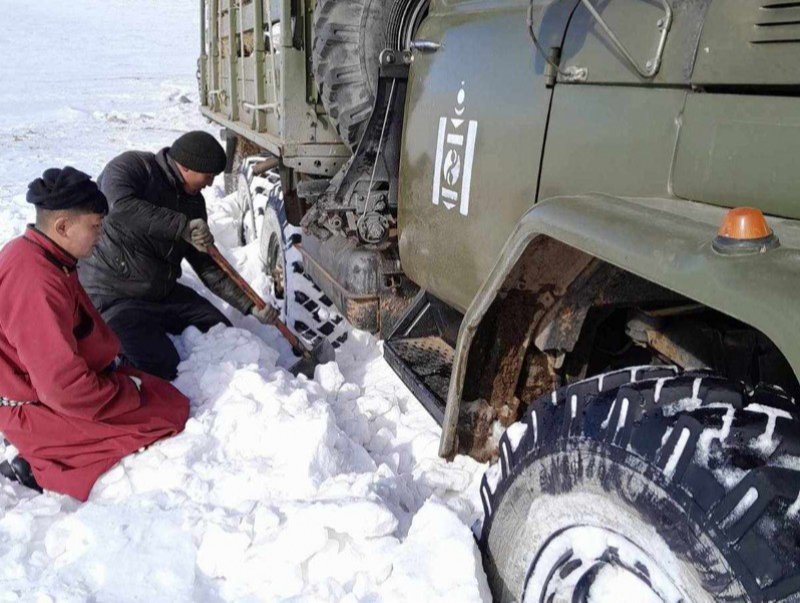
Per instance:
x=281, y=488
x=685, y=404
x=765, y=444
x=659, y=386
x=677, y=453
x=793, y=512
x=623, y=415
x=708, y=435
x=584, y=525
x=607, y=421
x=617, y=584
x=515, y=433
x=742, y=507
x=729, y=477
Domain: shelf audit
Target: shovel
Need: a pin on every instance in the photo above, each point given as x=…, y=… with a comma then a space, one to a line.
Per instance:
x=309, y=358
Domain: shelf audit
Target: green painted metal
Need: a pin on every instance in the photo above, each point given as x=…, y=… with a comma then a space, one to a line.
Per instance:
x=259, y=57
x=611, y=139
x=261, y=96
x=486, y=61
x=661, y=240
x=751, y=42
x=202, y=62
x=636, y=24
x=635, y=171
x=214, y=79
x=740, y=150
x=233, y=62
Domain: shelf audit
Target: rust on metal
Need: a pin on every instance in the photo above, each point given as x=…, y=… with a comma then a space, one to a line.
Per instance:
x=511, y=367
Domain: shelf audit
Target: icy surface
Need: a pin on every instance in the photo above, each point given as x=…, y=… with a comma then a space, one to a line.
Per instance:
x=280, y=488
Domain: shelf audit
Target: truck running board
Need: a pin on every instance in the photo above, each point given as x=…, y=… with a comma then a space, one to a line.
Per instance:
x=420, y=350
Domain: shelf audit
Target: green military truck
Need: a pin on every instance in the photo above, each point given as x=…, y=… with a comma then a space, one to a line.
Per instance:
x=553, y=213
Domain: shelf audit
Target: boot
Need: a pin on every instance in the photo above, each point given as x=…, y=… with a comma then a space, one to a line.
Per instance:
x=19, y=470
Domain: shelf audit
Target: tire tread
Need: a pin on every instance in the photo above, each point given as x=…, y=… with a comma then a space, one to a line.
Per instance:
x=631, y=411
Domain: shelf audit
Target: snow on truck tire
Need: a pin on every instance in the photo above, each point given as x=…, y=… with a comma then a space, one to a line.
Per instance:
x=304, y=307
x=647, y=484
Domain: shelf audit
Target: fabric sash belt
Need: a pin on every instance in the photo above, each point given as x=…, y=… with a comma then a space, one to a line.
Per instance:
x=14, y=403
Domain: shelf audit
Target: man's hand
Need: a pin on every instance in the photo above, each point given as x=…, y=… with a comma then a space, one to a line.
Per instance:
x=267, y=315
x=198, y=234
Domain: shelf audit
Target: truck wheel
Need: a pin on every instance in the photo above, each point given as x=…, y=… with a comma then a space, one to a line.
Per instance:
x=237, y=149
x=647, y=485
x=304, y=307
x=349, y=36
x=252, y=198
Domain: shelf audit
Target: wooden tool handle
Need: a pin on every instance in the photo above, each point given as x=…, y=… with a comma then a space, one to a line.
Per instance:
x=254, y=297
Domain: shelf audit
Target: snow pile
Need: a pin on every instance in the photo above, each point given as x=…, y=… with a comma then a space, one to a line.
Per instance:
x=280, y=488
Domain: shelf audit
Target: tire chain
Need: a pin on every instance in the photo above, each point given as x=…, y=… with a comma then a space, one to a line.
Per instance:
x=307, y=304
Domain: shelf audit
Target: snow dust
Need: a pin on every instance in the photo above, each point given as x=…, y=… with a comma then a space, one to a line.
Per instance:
x=280, y=488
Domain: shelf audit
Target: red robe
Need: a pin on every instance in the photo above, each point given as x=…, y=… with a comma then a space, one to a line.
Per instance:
x=55, y=349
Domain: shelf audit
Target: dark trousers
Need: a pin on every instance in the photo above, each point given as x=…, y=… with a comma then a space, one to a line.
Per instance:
x=142, y=327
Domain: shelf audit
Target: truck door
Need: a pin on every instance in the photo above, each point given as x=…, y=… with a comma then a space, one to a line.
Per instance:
x=740, y=139
x=475, y=121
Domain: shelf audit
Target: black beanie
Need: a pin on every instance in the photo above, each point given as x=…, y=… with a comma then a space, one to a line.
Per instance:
x=64, y=189
x=200, y=152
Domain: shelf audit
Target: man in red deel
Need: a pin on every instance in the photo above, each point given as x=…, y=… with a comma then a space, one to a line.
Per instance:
x=64, y=403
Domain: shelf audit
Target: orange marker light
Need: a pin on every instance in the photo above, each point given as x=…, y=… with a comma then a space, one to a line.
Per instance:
x=744, y=223
x=744, y=230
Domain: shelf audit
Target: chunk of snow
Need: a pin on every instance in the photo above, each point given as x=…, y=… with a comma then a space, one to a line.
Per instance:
x=438, y=561
x=685, y=404
x=765, y=444
x=515, y=434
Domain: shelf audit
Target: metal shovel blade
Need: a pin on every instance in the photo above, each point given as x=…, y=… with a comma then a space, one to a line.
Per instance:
x=321, y=353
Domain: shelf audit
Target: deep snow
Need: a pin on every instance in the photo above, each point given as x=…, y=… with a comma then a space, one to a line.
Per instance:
x=280, y=488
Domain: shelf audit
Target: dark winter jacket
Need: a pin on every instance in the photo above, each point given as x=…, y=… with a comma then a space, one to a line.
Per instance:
x=139, y=254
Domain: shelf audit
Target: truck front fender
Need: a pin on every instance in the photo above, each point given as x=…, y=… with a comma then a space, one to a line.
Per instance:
x=665, y=241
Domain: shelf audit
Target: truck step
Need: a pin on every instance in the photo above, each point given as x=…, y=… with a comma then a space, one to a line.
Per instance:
x=421, y=350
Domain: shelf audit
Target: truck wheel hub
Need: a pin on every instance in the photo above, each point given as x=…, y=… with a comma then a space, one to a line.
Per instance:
x=588, y=563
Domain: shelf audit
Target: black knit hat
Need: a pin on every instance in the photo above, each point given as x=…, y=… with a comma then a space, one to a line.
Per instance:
x=65, y=189
x=200, y=152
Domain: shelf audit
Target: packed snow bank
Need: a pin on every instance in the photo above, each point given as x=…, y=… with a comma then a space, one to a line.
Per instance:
x=281, y=488
x=434, y=560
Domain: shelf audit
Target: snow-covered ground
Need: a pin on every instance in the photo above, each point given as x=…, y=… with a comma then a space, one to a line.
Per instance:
x=280, y=488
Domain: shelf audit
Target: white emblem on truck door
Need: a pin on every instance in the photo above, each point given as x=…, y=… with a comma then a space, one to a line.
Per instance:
x=455, y=150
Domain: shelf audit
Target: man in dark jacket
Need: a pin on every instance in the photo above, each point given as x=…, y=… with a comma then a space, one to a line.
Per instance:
x=157, y=218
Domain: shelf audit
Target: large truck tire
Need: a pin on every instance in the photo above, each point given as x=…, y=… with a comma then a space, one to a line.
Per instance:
x=303, y=306
x=647, y=485
x=349, y=36
x=237, y=150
